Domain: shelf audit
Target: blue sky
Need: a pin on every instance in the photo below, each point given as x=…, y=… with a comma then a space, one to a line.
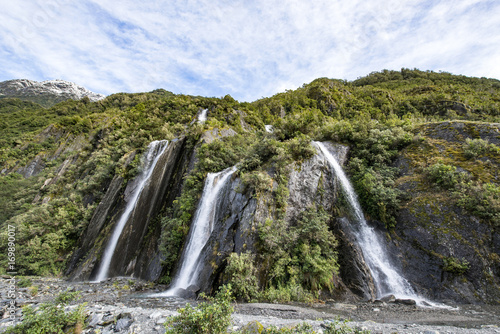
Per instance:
x=249, y=49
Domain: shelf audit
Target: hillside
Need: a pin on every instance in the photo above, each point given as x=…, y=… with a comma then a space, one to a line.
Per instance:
x=422, y=150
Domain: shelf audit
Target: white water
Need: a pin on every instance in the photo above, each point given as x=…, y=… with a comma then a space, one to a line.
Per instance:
x=153, y=153
x=202, y=117
x=269, y=128
x=201, y=228
x=386, y=278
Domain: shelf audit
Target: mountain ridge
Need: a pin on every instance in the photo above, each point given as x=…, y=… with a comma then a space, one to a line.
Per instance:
x=46, y=93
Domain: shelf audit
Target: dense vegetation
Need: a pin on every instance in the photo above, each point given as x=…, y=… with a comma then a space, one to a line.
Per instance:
x=78, y=147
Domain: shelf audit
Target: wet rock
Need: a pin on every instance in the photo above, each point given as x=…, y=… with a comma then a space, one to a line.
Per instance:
x=388, y=299
x=184, y=293
x=405, y=302
x=193, y=288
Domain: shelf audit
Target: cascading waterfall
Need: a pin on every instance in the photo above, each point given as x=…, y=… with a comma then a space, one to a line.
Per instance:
x=202, y=117
x=269, y=128
x=200, y=231
x=153, y=153
x=386, y=278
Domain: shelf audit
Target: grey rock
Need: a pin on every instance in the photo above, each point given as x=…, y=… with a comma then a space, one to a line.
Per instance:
x=123, y=324
x=186, y=294
x=388, y=299
x=94, y=320
x=405, y=302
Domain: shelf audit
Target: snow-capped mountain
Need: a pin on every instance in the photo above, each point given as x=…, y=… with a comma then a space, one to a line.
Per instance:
x=46, y=92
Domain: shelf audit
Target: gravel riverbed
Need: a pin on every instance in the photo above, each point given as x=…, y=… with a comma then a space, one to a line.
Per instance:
x=123, y=305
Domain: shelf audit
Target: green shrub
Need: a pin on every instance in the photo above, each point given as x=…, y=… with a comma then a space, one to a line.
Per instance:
x=482, y=200
x=300, y=148
x=445, y=176
x=377, y=191
x=285, y=293
x=339, y=326
x=242, y=275
x=258, y=180
x=455, y=266
x=24, y=282
x=50, y=317
x=474, y=148
x=302, y=328
x=302, y=255
x=212, y=317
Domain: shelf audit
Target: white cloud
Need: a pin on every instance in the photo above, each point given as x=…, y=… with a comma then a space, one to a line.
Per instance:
x=246, y=49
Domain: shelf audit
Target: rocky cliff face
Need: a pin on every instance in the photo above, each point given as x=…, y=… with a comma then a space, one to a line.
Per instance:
x=47, y=92
x=433, y=234
x=137, y=245
x=429, y=230
x=239, y=213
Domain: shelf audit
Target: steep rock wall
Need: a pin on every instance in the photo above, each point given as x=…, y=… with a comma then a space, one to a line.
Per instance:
x=240, y=212
x=431, y=228
x=133, y=243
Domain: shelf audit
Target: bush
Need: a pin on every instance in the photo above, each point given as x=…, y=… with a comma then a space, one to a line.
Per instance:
x=302, y=255
x=299, y=329
x=50, y=317
x=341, y=327
x=212, y=317
x=479, y=199
x=474, y=148
x=376, y=190
x=287, y=293
x=258, y=180
x=24, y=282
x=455, y=266
x=332, y=327
x=445, y=176
x=241, y=271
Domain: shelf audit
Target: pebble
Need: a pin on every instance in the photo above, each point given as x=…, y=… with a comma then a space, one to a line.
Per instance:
x=124, y=314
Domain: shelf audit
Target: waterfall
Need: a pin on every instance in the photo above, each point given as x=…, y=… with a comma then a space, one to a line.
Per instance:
x=386, y=278
x=202, y=117
x=151, y=156
x=201, y=228
x=269, y=128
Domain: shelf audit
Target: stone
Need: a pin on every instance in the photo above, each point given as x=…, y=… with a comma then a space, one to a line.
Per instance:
x=405, y=301
x=123, y=324
x=155, y=315
x=124, y=315
x=388, y=299
x=107, y=320
x=183, y=293
x=193, y=288
x=93, y=320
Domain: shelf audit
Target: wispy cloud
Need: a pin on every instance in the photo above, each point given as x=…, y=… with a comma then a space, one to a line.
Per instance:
x=246, y=49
